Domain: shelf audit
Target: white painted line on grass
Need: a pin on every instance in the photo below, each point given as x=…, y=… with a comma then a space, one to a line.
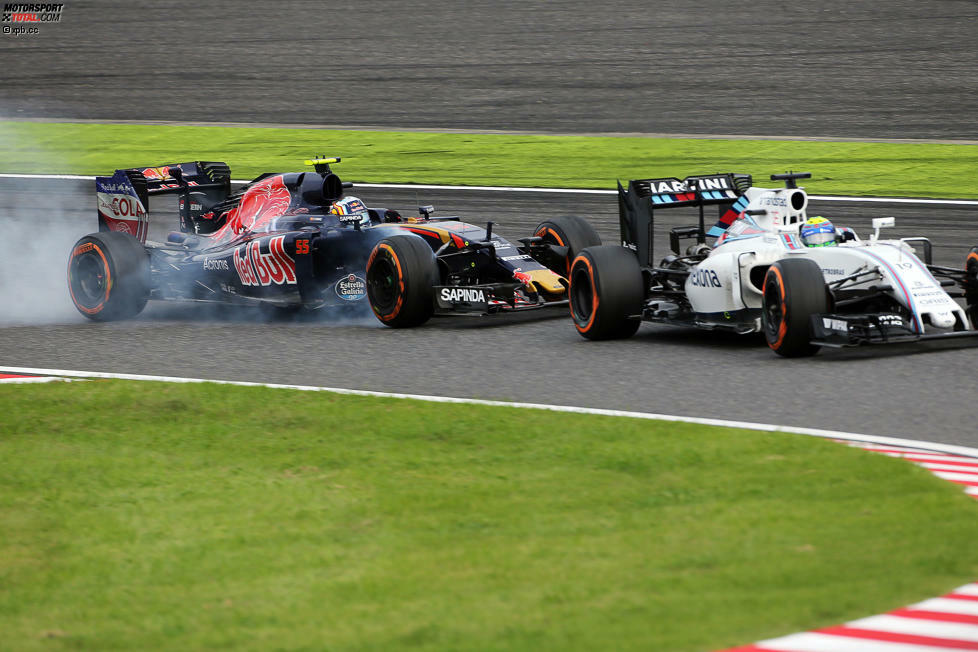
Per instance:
x=572, y=191
x=814, y=432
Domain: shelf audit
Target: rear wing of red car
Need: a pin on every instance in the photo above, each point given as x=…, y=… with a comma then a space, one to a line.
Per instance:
x=637, y=205
x=123, y=198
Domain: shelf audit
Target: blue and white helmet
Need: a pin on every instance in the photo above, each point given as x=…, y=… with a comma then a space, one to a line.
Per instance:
x=351, y=210
x=818, y=232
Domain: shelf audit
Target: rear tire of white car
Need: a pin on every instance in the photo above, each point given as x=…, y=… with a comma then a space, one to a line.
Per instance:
x=401, y=274
x=606, y=293
x=569, y=231
x=971, y=286
x=794, y=290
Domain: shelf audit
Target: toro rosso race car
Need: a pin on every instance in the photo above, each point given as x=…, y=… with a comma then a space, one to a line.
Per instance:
x=295, y=241
x=759, y=275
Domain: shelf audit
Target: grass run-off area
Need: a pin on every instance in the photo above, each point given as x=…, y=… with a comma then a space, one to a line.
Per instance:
x=838, y=168
x=151, y=516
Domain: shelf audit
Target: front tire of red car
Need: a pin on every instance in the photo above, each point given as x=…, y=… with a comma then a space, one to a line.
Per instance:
x=401, y=274
x=569, y=231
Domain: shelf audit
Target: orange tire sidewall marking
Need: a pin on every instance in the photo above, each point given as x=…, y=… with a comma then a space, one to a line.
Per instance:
x=783, y=327
x=560, y=242
x=972, y=257
x=594, y=295
x=85, y=248
x=400, y=280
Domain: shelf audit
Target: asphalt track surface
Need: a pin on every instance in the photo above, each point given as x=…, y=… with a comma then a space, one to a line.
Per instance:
x=899, y=69
x=921, y=391
x=828, y=68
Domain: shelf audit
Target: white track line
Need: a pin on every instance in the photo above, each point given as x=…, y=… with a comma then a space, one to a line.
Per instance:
x=573, y=191
x=814, y=432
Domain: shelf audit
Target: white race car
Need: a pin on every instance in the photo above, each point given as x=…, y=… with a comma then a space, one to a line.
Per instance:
x=759, y=276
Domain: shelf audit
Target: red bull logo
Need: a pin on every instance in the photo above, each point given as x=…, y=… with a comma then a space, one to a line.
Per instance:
x=262, y=203
x=261, y=269
x=157, y=174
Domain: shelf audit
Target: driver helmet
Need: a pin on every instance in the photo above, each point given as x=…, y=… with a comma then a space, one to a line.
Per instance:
x=818, y=232
x=351, y=210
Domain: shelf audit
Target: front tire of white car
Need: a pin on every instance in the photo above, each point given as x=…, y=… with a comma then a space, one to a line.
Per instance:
x=794, y=290
x=971, y=286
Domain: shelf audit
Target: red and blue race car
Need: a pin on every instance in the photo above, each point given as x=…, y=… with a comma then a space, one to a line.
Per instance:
x=295, y=240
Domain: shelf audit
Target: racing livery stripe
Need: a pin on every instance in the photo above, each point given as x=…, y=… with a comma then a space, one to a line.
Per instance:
x=919, y=327
x=913, y=258
x=729, y=217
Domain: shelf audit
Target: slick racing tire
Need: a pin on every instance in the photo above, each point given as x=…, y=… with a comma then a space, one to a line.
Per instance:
x=401, y=273
x=606, y=293
x=971, y=286
x=108, y=276
x=569, y=231
x=794, y=290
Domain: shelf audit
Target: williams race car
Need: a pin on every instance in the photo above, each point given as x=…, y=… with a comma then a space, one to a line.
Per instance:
x=771, y=269
x=296, y=241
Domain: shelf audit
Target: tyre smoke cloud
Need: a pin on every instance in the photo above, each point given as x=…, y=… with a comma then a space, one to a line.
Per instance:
x=39, y=222
x=42, y=219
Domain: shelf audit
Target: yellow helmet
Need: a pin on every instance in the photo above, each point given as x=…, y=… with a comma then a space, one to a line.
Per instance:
x=818, y=232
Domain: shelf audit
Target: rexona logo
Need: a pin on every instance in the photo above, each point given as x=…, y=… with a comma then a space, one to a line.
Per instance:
x=463, y=294
x=704, y=278
x=259, y=268
x=351, y=288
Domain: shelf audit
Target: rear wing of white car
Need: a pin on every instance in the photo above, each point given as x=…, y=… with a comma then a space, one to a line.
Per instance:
x=637, y=205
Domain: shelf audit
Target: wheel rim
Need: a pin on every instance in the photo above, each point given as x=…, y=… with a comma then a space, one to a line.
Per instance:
x=552, y=237
x=88, y=279
x=582, y=296
x=382, y=284
x=773, y=310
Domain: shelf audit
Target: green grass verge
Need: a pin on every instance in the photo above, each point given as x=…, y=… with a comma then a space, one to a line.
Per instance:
x=841, y=168
x=159, y=516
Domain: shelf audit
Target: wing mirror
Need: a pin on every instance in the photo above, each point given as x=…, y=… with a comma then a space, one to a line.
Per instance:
x=881, y=223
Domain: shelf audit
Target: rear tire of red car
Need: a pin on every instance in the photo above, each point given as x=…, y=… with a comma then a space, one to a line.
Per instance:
x=108, y=276
x=569, y=231
x=606, y=293
x=401, y=274
x=794, y=290
x=971, y=286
